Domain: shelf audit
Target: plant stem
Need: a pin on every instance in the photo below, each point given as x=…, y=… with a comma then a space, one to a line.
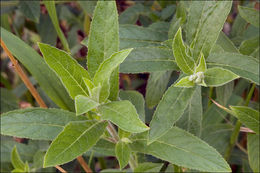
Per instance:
x=210, y=95
x=60, y=169
x=84, y=164
x=236, y=130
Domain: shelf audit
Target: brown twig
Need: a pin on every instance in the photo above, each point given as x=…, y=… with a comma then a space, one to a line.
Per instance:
x=37, y=98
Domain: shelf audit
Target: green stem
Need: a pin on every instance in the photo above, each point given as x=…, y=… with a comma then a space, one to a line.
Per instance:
x=236, y=130
x=211, y=89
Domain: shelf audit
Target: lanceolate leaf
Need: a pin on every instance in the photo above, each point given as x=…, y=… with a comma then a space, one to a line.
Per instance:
x=185, y=82
x=183, y=149
x=253, y=151
x=202, y=66
x=36, y=123
x=242, y=65
x=122, y=153
x=250, y=15
x=247, y=116
x=204, y=23
x=33, y=62
x=84, y=104
x=67, y=68
x=74, y=140
x=16, y=160
x=218, y=76
x=123, y=114
x=183, y=60
x=169, y=110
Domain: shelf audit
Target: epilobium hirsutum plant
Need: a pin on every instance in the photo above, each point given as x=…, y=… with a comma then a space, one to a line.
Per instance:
x=187, y=132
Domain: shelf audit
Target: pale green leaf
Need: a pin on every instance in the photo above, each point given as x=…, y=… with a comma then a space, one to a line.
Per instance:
x=247, y=116
x=183, y=60
x=148, y=167
x=16, y=160
x=88, y=6
x=204, y=23
x=202, y=67
x=250, y=46
x=169, y=110
x=35, y=64
x=156, y=85
x=218, y=76
x=242, y=65
x=251, y=15
x=185, y=82
x=136, y=99
x=183, y=149
x=123, y=153
x=253, y=151
x=50, y=6
x=36, y=123
x=67, y=68
x=124, y=115
x=89, y=84
x=226, y=43
x=84, y=104
x=148, y=59
x=73, y=141
x=113, y=170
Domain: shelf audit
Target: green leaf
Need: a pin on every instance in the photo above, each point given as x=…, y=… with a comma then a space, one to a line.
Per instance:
x=202, y=67
x=148, y=59
x=251, y=15
x=33, y=62
x=226, y=43
x=88, y=6
x=242, y=65
x=223, y=93
x=67, y=68
x=253, y=152
x=250, y=46
x=16, y=160
x=105, y=147
x=31, y=9
x=8, y=101
x=124, y=115
x=156, y=85
x=247, y=116
x=218, y=76
x=169, y=110
x=123, y=153
x=148, y=167
x=36, y=123
x=183, y=60
x=84, y=104
x=183, y=149
x=74, y=140
x=204, y=23
x=136, y=99
x=191, y=120
x=131, y=14
x=50, y=6
x=185, y=82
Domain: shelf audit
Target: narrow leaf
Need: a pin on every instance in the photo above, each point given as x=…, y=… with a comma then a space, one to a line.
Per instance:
x=253, y=151
x=122, y=153
x=84, y=104
x=202, y=67
x=169, y=110
x=251, y=15
x=16, y=160
x=218, y=76
x=247, y=116
x=36, y=123
x=67, y=68
x=123, y=114
x=183, y=60
x=74, y=140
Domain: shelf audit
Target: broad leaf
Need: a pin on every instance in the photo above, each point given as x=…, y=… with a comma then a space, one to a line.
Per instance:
x=226, y=43
x=123, y=114
x=185, y=82
x=30, y=9
x=36, y=123
x=183, y=149
x=183, y=60
x=148, y=167
x=204, y=23
x=16, y=160
x=242, y=65
x=148, y=59
x=84, y=104
x=50, y=6
x=251, y=15
x=247, y=116
x=169, y=110
x=156, y=85
x=67, y=68
x=33, y=62
x=74, y=140
x=123, y=153
x=253, y=151
x=250, y=46
x=218, y=76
